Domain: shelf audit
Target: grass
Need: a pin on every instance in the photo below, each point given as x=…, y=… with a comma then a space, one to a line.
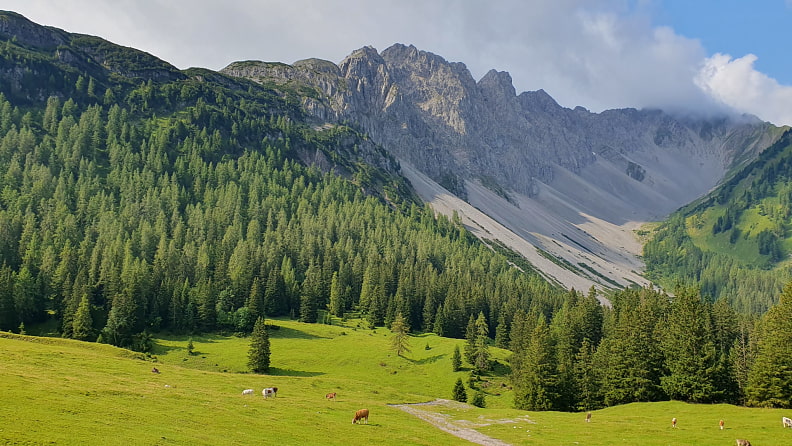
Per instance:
x=59, y=391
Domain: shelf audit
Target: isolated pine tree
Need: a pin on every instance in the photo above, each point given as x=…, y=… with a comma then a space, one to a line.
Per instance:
x=456, y=359
x=459, y=393
x=259, y=353
x=401, y=340
x=478, y=399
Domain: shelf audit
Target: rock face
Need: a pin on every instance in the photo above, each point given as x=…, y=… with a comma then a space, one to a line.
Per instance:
x=433, y=114
x=483, y=142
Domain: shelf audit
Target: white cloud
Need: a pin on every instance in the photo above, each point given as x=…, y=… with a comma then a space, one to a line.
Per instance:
x=596, y=53
x=736, y=83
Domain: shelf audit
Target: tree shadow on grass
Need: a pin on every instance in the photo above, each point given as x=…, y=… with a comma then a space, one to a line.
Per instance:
x=277, y=371
x=159, y=348
x=286, y=332
x=427, y=360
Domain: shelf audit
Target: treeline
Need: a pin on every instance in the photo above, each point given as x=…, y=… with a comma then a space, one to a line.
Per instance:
x=119, y=219
x=651, y=347
x=671, y=256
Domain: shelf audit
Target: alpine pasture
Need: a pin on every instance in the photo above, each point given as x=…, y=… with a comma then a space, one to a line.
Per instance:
x=59, y=391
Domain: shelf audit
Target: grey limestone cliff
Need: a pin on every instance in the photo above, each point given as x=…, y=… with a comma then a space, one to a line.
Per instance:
x=434, y=114
x=566, y=180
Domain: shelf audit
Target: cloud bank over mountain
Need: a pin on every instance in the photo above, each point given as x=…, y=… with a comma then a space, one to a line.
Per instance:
x=600, y=54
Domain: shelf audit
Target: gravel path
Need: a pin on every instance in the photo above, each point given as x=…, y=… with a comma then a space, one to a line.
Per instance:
x=444, y=423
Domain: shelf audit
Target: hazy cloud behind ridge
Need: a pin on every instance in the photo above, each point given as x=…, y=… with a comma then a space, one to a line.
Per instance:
x=600, y=54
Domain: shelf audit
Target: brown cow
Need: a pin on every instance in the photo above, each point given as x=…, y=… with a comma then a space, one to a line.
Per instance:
x=269, y=391
x=588, y=417
x=363, y=414
x=721, y=424
x=673, y=422
x=743, y=442
x=331, y=396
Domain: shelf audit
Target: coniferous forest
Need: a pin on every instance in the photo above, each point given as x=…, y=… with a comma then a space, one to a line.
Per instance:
x=136, y=198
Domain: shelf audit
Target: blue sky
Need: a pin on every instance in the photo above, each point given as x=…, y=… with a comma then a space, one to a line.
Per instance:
x=737, y=27
x=687, y=55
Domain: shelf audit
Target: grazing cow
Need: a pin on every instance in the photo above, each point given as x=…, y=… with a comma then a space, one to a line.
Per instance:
x=786, y=422
x=331, y=396
x=154, y=370
x=270, y=391
x=673, y=422
x=588, y=417
x=247, y=392
x=361, y=414
x=721, y=424
x=741, y=442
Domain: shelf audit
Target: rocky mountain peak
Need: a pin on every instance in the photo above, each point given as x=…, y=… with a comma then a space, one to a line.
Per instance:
x=13, y=25
x=571, y=182
x=538, y=101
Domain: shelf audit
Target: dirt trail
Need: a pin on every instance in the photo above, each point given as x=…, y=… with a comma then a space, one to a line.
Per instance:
x=444, y=423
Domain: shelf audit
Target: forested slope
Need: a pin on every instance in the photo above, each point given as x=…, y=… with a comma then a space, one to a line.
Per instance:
x=138, y=198
x=735, y=242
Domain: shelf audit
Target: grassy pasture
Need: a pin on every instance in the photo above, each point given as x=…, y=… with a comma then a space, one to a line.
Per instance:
x=58, y=391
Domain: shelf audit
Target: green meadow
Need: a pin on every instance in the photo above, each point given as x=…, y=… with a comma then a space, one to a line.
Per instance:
x=65, y=392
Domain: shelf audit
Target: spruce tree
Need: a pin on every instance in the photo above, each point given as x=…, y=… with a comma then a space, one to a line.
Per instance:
x=690, y=355
x=336, y=296
x=481, y=353
x=311, y=294
x=401, y=340
x=502, y=332
x=470, y=340
x=478, y=399
x=770, y=378
x=255, y=301
x=456, y=359
x=741, y=357
x=536, y=385
x=459, y=393
x=259, y=352
x=82, y=325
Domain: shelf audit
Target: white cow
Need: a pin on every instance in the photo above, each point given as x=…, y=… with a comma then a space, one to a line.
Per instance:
x=787, y=422
x=269, y=391
x=247, y=392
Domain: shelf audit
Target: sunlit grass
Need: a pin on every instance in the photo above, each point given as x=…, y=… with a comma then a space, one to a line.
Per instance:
x=68, y=392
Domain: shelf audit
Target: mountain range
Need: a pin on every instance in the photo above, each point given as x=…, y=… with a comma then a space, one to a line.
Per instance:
x=567, y=188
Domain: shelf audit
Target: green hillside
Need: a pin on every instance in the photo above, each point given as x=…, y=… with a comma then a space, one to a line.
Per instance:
x=75, y=393
x=142, y=206
x=158, y=199
x=736, y=242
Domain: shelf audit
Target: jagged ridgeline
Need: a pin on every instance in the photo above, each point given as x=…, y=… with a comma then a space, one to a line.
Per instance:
x=736, y=241
x=135, y=196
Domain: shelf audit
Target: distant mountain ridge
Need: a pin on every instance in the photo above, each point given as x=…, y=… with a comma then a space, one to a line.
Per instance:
x=564, y=179
x=565, y=187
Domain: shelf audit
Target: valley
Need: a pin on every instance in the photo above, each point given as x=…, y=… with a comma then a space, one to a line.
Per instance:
x=531, y=261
